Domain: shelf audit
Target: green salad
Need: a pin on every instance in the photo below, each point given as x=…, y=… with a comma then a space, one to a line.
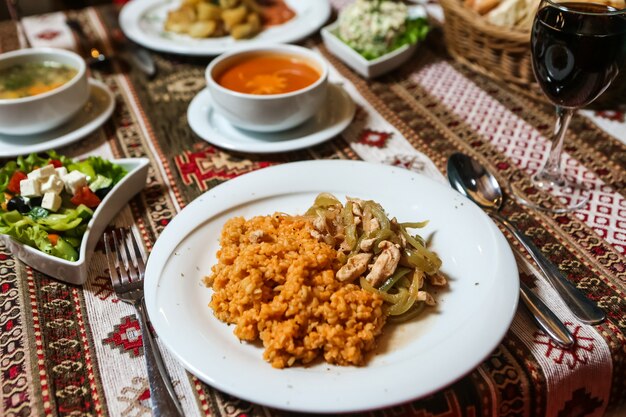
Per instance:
x=47, y=201
x=376, y=27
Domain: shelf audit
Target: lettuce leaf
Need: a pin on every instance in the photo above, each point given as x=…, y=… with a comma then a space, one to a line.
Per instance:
x=415, y=31
x=34, y=233
x=107, y=169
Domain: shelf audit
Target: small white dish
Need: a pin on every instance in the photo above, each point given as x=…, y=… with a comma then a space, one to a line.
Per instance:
x=332, y=118
x=94, y=113
x=115, y=200
x=143, y=20
x=413, y=359
x=41, y=112
x=369, y=68
x=268, y=112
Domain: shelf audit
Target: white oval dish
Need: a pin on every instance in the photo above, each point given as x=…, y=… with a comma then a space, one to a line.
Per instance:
x=415, y=358
x=42, y=112
x=143, y=20
x=115, y=200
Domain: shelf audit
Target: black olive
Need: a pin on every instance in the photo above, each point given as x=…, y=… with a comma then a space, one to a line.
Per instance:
x=102, y=192
x=35, y=202
x=18, y=203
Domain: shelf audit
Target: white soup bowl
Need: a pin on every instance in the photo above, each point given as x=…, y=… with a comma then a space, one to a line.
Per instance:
x=272, y=112
x=43, y=112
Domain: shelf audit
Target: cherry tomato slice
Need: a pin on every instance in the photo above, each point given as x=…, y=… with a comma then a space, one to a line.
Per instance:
x=85, y=196
x=14, y=182
x=56, y=163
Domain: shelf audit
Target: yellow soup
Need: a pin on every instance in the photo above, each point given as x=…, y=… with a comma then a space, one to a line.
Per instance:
x=32, y=78
x=268, y=74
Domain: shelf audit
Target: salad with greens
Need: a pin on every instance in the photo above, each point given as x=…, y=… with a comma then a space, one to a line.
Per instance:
x=376, y=27
x=47, y=201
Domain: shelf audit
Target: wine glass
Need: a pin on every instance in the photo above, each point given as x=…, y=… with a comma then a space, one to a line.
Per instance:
x=578, y=48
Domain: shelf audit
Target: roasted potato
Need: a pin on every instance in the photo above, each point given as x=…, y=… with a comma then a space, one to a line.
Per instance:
x=208, y=11
x=210, y=18
x=202, y=29
x=242, y=31
x=233, y=17
x=229, y=4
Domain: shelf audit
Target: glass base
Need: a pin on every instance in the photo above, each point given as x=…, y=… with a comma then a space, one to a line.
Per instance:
x=566, y=195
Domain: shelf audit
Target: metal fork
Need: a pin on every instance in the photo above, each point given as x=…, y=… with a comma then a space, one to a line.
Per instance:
x=127, y=268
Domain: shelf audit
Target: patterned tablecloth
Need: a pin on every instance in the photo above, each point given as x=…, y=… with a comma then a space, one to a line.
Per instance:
x=76, y=351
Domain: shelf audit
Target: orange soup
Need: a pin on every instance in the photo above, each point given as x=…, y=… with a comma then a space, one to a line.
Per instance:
x=268, y=74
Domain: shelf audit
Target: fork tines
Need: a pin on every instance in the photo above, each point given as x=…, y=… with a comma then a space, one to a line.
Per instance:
x=125, y=258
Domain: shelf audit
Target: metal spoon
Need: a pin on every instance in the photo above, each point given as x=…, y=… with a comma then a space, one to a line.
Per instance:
x=544, y=317
x=476, y=183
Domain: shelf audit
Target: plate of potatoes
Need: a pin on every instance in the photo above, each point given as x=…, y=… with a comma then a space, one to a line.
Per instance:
x=211, y=27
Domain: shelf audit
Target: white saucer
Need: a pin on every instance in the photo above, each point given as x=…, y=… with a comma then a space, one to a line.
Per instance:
x=96, y=111
x=330, y=120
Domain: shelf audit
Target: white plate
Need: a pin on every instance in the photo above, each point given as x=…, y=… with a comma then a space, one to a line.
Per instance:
x=96, y=111
x=332, y=118
x=143, y=22
x=115, y=200
x=415, y=358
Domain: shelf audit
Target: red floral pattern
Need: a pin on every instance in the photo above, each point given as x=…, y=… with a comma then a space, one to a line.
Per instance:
x=575, y=356
x=127, y=337
x=374, y=138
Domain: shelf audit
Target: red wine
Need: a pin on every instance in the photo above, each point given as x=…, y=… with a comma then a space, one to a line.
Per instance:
x=577, y=51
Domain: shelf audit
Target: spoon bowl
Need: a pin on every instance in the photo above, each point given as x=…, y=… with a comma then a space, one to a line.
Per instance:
x=471, y=179
x=474, y=181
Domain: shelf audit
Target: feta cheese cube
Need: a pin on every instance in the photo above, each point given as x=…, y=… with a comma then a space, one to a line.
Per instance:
x=73, y=181
x=47, y=171
x=30, y=188
x=51, y=201
x=41, y=173
x=34, y=175
x=52, y=184
x=61, y=171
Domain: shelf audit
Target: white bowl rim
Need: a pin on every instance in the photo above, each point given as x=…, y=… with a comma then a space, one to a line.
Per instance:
x=277, y=48
x=81, y=67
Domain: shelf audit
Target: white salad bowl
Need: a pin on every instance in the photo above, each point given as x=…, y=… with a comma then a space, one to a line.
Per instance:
x=42, y=112
x=267, y=113
x=365, y=67
x=76, y=272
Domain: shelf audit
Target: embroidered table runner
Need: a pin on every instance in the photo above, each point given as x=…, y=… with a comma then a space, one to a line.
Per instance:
x=77, y=351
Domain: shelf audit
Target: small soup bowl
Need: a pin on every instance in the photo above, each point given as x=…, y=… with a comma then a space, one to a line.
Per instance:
x=271, y=112
x=39, y=113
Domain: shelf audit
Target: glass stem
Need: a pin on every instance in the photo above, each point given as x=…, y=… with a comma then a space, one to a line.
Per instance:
x=551, y=171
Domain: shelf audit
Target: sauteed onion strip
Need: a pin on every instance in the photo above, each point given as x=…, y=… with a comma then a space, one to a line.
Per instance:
x=362, y=226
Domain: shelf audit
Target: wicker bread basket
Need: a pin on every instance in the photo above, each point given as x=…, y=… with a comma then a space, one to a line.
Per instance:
x=503, y=54
x=500, y=53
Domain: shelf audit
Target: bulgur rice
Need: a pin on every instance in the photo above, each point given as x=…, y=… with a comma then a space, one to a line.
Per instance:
x=323, y=284
x=276, y=283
